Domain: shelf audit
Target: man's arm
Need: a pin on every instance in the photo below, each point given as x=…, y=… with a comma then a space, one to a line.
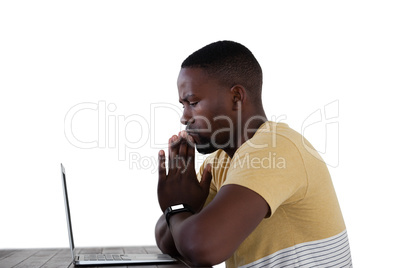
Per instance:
x=164, y=239
x=214, y=234
x=211, y=236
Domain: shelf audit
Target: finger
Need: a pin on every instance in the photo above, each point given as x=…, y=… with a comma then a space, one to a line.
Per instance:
x=190, y=153
x=182, y=157
x=206, y=178
x=190, y=140
x=162, y=165
x=173, y=152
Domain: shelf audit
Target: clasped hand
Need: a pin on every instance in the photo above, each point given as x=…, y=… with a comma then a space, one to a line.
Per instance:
x=180, y=185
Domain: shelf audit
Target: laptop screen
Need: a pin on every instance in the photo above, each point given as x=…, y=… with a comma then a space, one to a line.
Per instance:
x=68, y=216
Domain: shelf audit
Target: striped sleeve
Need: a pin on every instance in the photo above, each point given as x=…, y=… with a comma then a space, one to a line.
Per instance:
x=329, y=252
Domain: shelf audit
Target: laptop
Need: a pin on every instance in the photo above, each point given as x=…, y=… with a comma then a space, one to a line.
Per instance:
x=109, y=258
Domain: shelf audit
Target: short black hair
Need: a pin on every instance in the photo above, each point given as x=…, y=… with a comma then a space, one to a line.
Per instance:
x=231, y=63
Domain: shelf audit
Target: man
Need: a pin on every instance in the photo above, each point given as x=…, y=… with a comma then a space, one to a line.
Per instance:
x=261, y=199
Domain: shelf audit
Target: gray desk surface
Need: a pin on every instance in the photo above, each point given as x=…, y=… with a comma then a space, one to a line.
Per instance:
x=61, y=257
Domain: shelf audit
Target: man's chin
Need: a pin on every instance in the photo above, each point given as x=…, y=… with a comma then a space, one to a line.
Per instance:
x=205, y=148
x=203, y=144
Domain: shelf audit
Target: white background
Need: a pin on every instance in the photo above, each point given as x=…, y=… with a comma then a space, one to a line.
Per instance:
x=125, y=55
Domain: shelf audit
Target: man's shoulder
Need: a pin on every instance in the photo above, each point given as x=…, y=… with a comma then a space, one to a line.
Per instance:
x=276, y=130
x=271, y=136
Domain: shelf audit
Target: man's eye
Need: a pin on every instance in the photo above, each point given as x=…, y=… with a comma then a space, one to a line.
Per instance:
x=193, y=103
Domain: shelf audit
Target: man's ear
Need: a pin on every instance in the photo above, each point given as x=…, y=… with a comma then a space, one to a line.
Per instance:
x=238, y=96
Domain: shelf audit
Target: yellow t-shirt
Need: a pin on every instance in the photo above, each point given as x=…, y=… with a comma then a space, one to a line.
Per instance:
x=305, y=227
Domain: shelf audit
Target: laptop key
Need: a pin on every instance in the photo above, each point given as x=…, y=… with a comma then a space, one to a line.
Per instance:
x=108, y=257
x=100, y=257
x=125, y=257
x=90, y=257
x=116, y=257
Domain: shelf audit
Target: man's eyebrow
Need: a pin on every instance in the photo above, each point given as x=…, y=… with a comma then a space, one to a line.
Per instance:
x=186, y=97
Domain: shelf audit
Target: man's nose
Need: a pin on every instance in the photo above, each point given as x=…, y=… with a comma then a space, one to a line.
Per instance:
x=183, y=121
x=186, y=118
x=186, y=121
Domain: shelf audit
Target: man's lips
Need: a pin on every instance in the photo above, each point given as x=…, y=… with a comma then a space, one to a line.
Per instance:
x=194, y=135
x=191, y=131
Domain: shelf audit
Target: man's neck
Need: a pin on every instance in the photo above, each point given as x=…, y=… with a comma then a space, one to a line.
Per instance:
x=245, y=131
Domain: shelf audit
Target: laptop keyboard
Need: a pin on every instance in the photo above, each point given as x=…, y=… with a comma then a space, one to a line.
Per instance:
x=106, y=257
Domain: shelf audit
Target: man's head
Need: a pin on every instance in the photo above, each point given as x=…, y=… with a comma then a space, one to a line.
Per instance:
x=218, y=85
x=231, y=64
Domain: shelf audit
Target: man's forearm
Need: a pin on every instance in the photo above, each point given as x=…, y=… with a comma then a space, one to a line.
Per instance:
x=191, y=240
x=164, y=238
x=166, y=242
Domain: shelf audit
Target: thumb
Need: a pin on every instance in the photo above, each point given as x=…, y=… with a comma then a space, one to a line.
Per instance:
x=206, y=178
